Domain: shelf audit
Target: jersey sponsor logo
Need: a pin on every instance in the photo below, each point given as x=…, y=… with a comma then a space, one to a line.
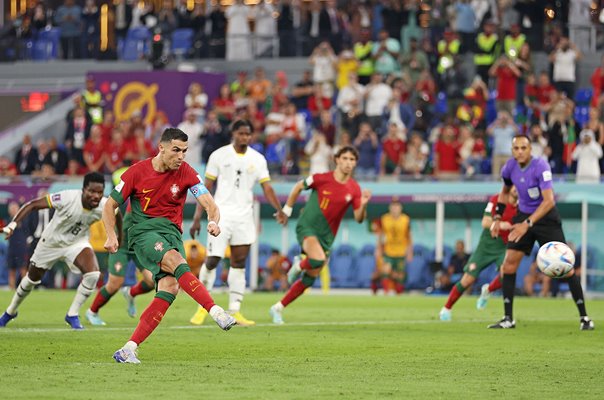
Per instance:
x=175, y=189
x=56, y=197
x=145, y=191
x=547, y=176
x=159, y=246
x=120, y=186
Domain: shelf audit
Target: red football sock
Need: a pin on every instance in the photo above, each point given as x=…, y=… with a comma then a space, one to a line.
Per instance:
x=293, y=293
x=101, y=298
x=454, y=295
x=150, y=318
x=305, y=265
x=386, y=285
x=495, y=284
x=374, y=286
x=194, y=288
x=399, y=287
x=139, y=288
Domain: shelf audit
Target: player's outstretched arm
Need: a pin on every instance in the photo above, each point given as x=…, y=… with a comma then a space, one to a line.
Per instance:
x=270, y=195
x=291, y=200
x=207, y=202
x=36, y=204
x=361, y=212
x=108, y=218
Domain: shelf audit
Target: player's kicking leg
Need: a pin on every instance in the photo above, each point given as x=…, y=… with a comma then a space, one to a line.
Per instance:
x=486, y=290
x=456, y=291
x=207, y=276
x=27, y=284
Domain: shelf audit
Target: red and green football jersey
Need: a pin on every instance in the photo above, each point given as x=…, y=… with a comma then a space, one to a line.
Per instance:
x=326, y=206
x=157, y=195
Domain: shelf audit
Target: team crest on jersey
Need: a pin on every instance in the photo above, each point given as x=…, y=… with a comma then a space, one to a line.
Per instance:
x=348, y=197
x=159, y=246
x=174, y=189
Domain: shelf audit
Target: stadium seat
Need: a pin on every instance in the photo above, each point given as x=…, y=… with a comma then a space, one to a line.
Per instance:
x=46, y=47
x=136, y=45
x=293, y=251
x=418, y=272
x=264, y=252
x=486, y=276
x=594, y=282
x=182, y=40
x=525, y=265
x=441, y=105
x=130, y=278
x=583, y=97
x=365, y=265
x=342, y=265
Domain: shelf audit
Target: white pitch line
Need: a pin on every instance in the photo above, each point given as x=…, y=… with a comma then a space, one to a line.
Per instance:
x=269, y=325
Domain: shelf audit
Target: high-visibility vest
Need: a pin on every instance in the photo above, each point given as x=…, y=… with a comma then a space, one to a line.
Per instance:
x=487, y=49
x=96, y=112
x=361, y=51
x=446, y=52
x=512, y=45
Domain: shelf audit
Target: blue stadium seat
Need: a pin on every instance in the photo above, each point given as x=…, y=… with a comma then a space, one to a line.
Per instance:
x=46, y=47
x=342, y=265
x=136, y=45
x=583, y=97
x=264, y=252
x=182, y=40
x=582, y=114
x=418, y=271
x=595, y=283
x=441, y=105
x=365, y=265
x=293, y=251
x=486, y=276
x=525, y=265
x=130, y=278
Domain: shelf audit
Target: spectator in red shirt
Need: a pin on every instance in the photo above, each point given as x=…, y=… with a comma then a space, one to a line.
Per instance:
x=74, y=168
x=142, y=148
x=224, y=105
x=107, y=125
x=597, y=83
x=94, y=150
x=116, y=151
x=446, y=155
x=317, y=102
x=472, y=150
x=7, y=168
x=394, y=146
x=507, y=75
x=544, y=93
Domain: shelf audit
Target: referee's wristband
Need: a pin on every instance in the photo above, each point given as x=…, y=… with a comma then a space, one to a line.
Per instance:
x=287, y=210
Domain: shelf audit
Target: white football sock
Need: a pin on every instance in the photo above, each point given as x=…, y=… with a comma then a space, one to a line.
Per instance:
x=236, y=281
x=23, y=290
x=130, y=345
x=85, y=289
x=207, y=277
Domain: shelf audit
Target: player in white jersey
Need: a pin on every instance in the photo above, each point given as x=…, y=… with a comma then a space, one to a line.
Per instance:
x=235, y=169
x=64, y=238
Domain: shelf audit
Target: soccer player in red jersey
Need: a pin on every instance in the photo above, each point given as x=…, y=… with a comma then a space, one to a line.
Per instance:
x=490, y=249
x=332, y=193
x=157, y=189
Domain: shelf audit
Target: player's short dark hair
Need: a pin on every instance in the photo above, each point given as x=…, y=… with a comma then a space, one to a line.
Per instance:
x=242, y=123
x=521, y=135
x=348, y=149
x=171, y=134
x=93, y=177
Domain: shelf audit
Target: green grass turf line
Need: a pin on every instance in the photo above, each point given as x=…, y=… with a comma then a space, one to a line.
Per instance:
x=346, y=347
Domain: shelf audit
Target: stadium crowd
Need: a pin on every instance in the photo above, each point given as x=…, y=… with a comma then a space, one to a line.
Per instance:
x=407, y=98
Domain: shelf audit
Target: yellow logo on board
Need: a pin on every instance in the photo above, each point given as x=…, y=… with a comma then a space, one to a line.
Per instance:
x=134, y=96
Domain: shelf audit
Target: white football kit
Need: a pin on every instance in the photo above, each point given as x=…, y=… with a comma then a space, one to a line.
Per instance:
x=236, y=174
x=67, y=234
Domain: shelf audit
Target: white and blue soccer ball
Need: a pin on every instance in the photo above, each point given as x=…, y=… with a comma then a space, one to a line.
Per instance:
x=555, y=259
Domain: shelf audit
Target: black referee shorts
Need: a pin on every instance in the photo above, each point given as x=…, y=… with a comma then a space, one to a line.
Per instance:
x=547, y=229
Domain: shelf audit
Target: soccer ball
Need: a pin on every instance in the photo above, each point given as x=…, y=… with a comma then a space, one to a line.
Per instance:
x=555, y=259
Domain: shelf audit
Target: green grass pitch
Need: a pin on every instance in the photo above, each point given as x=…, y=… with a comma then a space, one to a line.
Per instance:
x=331, y=347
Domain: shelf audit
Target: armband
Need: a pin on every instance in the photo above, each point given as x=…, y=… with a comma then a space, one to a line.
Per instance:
x=287, y=210
x=500, y=209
